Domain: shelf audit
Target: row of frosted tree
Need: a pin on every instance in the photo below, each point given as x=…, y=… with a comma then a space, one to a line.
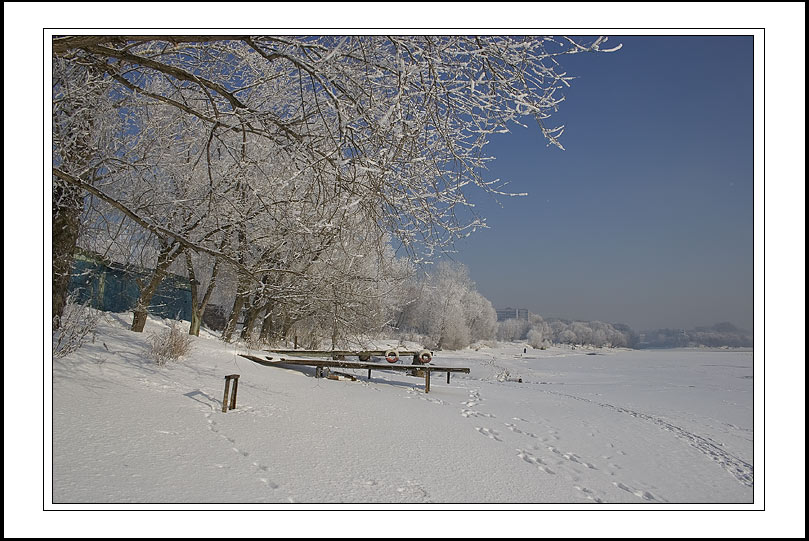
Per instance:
x=539, y=332
x=719, y=335
x=309, y=179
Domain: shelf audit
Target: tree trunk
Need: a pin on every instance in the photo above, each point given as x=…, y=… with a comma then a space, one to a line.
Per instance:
x=167, y=255
x=195, y=312
x=250, y=320
x=285, y=326
x=196, y=322
x=197, y=306
x=66, y=207
x=266, y=324
x=139, y=320
x=238, y=304
x=230, y=328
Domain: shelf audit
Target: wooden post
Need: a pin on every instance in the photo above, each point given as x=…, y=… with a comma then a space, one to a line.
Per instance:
x=235, y=388
x=225, y=398
x=369, y=373
x=448, y=376
x=235, y=379
x=427, y=380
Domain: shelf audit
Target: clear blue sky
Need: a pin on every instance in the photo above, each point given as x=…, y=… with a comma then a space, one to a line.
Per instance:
x=647, y=217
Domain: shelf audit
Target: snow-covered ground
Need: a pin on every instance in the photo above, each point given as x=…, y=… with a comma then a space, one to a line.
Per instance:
x=581, y=427
x=647, y=431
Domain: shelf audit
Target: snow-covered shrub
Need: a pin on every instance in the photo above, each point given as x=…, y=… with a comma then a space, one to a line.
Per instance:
x=170, y=344
x=77, y=324
x=536, y=339
x=498, y=372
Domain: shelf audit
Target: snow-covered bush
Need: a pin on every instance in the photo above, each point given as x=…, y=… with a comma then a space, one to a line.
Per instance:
x=498, y=372
x=76, y=326
x=536, y=339
x=170, y=344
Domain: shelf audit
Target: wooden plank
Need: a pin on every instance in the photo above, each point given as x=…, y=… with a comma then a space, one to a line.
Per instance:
x=354, y=365
x=344, y=353
x=343, y=374
x=334, y=363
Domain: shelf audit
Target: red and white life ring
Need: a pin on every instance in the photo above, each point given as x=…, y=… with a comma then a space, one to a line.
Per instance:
x=391, y=355
x=425, y=356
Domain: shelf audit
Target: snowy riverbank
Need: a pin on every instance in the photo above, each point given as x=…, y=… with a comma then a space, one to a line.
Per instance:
x=583, y=426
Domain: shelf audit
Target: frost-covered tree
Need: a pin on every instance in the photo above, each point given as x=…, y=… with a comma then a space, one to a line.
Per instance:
x=448, y=311
x=512, y=330
x=481, y=316
x=80, y=139
x=392, y=128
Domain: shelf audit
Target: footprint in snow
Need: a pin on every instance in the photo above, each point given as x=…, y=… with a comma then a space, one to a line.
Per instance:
x=268, y=483
x=472, y=413
x=589, y=494
x=535, y=461
x=516, y=430
x=642, y=494
x=489, y=433
x=572, y=457
x=211, y=426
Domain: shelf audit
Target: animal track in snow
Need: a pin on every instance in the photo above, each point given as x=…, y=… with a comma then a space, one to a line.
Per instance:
x=417, y=393
x=414, y=491
x=535, y=461
x=516, y=430
x=472, y=413
x=735, y=466
x=261, y=467
x=489, y=433
x=572, y=457
x=589, y=494
x=268, y=482
x=474, y=399
x=642, y=494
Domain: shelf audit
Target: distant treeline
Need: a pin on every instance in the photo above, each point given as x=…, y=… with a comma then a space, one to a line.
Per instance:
x=540, y=332
x=719, y=335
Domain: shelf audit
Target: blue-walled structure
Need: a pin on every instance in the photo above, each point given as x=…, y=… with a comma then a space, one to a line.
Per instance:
x=113, y=288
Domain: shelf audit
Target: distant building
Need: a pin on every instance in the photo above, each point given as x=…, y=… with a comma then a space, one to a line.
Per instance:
x=512, y=313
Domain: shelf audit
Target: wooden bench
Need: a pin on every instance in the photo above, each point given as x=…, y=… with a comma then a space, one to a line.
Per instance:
x=320, y=364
